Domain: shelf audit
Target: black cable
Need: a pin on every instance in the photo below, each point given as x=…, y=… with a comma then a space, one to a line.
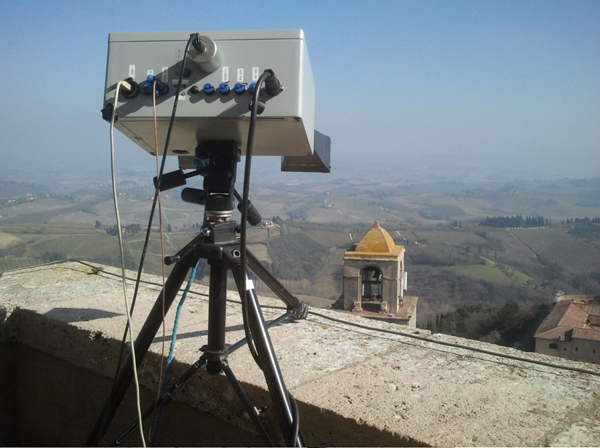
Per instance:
x=243, y=258
x=295, y=418
x=451, y=344
x=156, y=193
x=244, y=214
x=152, y=210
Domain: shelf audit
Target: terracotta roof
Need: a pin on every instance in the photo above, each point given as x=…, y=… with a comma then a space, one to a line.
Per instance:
x=553, y=333
x=574, y=317
x=571, y=313
x=551, y=321
x=592, y=310
x=586, y=333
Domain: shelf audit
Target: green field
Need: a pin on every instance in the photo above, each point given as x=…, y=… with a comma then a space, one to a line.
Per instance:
x=337, y=238
x=554, y=245
x=261, y=252
x=78, y=246
x=486, y=273
x=496, y=273
x=514, y=274
x=6, y=240
x=450, y=237
x=7, y=264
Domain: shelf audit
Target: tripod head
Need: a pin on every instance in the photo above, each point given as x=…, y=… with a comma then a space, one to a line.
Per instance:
x=218, y=166
x=219, y=171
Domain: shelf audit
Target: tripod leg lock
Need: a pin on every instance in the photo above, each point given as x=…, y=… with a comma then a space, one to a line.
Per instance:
x=300, y=311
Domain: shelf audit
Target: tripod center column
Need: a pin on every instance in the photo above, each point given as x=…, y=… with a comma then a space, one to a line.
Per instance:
x=216, y=317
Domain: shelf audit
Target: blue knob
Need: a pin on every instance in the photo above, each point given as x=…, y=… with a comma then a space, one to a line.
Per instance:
x=161, y=87
x=239, y=88
x=252, y=87
x=208, y=88
x=147, y=87
x=224, y=88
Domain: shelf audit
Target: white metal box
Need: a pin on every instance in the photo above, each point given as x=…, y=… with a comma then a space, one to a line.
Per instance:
x=286, y=128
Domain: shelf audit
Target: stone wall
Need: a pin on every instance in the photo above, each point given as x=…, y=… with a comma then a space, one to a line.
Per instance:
x=575, y=349
x=357, y=382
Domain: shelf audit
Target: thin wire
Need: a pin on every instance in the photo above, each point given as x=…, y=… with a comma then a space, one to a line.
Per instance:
x=162, y=251
x=157, y=190
x=121, y=253
x=455, y=345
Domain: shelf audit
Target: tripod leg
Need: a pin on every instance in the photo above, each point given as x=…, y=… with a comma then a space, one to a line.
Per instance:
x=270, y=366
x=299, y=309
x=142, y=344
x=237, y=387
x=165, y=399
x=162, y=401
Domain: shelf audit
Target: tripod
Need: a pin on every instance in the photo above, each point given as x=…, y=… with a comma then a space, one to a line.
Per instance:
x=219, y=244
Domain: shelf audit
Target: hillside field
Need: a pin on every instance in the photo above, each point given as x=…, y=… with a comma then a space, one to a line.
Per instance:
x=451, y=261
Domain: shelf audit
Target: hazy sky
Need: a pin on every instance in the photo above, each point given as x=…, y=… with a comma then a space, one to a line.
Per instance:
x=481, y=83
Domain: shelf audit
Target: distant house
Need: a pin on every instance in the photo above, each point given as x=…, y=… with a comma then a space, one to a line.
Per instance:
x=572, y=329
x=265, y=223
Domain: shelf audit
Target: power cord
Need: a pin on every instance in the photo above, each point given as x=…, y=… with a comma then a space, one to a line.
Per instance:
x=244, y=215
x=158, y=183
x=104, y=415
x=152, y=430
x=273, y=88
x=122, y=255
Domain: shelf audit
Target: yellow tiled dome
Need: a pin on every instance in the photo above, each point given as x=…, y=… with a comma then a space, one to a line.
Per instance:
x=376, y=240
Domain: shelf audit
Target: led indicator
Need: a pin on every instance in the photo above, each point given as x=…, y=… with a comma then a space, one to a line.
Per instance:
x=225, y=74
x=255, y=74
x=132, y=71
x=240, y=75
x=165, y=74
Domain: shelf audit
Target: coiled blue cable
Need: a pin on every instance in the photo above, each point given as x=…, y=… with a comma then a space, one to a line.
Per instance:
x=172, y=351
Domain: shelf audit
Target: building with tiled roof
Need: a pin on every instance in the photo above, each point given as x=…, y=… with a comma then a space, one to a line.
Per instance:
x=375, y=280
x=572, y=329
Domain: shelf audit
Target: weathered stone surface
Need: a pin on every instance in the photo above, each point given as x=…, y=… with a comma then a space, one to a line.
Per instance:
x=354, y=386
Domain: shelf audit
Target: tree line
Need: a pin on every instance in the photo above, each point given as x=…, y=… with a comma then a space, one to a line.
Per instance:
x=128, y=229
x=504, y=325
x=585, y=227
x=515, y=221
x=583, y=221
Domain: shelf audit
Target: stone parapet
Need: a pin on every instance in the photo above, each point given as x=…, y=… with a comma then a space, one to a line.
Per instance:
x=357, y=381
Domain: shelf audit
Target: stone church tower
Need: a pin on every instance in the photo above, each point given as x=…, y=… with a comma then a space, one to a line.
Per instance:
x=375, y=280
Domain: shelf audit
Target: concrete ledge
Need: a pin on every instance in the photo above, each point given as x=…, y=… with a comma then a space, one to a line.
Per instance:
x=354, y=386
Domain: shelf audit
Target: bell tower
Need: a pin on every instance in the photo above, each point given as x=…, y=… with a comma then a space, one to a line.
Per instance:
x=375, y=280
